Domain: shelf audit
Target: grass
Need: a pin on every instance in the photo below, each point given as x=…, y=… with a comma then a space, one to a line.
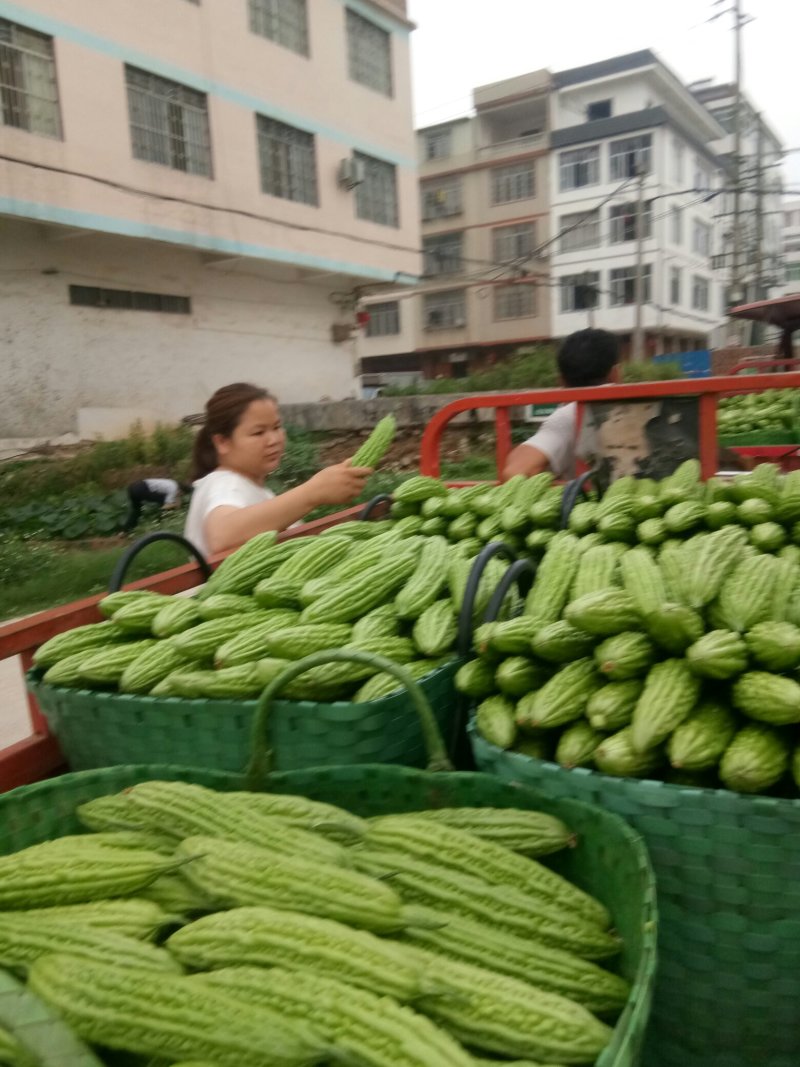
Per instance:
x=63, y=575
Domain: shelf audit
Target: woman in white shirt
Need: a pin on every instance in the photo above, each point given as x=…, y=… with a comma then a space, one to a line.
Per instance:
x=239, y=445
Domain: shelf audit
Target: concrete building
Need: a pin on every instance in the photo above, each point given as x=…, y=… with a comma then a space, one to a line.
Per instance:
x=761, y=199
x=484, y=198
x=607, y=120
x=193, y=194
x=790, y=246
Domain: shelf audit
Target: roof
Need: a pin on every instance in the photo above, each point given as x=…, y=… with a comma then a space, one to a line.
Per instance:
x=783, y=311
x=615, y=65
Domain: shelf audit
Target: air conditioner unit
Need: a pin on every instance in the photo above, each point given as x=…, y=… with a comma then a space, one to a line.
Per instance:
x=351, y=172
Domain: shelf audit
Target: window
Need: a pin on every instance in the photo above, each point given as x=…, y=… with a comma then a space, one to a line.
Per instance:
x=288, y=161
x=793, y=272
x=583, y=231
x=169, y=123
x=623, y=286
x=514, y=301
x=699, y=293
x=580, y=291
x=384, y=319
x=369, y=54
x=513, y=183
x=438, y=143
x=622, y=219
x=376, y=196
x=726, y=117
x=445, y=310
x=702, y=179
x=284, y=21
x=513, y=242
x=701, y=238
x=627, y=155
x=579, y=167
x=676, y=225
x=675, y=274
x=124, y=300
x=443, y=253
x=441, y=197
x=600, y=109
x=28, y=89
x=677, y=160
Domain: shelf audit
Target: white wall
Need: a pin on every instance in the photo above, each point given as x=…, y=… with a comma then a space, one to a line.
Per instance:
x=245, y=326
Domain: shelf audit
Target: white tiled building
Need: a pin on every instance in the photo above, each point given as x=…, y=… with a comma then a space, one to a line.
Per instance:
x=607, y=119
x=790, y=243
x=194, y=193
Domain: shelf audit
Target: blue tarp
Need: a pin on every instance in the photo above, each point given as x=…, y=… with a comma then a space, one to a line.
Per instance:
x=693, y=364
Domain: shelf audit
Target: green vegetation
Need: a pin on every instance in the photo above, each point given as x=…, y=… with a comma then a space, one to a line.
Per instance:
x=528, y=368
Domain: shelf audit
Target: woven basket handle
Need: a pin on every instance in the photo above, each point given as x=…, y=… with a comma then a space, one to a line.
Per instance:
x=261, y=757
x=465, y=621
x=118, y=577
x=521, y=573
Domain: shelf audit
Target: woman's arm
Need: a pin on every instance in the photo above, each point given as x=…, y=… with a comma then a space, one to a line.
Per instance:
x=228, y=527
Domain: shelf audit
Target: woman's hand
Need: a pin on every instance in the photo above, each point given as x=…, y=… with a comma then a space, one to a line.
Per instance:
x=338, y=484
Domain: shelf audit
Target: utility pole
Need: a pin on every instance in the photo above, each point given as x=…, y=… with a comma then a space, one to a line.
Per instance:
x=737, y=291
x=637, y=351
x=757, y=333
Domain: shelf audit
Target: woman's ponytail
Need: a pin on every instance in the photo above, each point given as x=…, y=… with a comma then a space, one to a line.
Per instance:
x=224, y=412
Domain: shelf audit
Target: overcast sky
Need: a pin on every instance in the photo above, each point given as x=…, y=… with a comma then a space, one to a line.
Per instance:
x=459, y=44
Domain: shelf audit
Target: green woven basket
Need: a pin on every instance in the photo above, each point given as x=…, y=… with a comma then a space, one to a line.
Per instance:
x=609, y=860
x=728, y=878
x=96, y=729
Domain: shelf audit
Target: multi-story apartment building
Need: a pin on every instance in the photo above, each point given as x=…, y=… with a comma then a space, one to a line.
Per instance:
x=790, y=246
x=484, y=196
x=761, y=196
x=610, y=122
x=195, y=192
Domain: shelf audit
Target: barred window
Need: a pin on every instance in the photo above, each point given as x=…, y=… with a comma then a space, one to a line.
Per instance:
x=445, y=310
x=384, y=319
x=443, y=253
x=580, y=291
x=583, y=231
x=623, y=286
x=438, y=143
x=701, y=238
x=369, y=53
x=516, y=182
x=622, y=218
x=376, y=196
x=288, y=161
x=700, y=290
x=579, y=167
x=126, y=300
x=441, y=197
x=513, y=242
x=283, y=21
x=675, y=275
x=514, y=301
x=169, y=123
x=28, y=88
x=627, y=155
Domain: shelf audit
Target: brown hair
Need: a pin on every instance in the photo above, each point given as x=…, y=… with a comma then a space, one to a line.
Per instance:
x=223, y=414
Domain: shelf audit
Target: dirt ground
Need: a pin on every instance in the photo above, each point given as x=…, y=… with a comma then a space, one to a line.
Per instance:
x=457, y=445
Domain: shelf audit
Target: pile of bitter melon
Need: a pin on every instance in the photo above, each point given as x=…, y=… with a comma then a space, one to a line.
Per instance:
x=369, y=586
x=661, y=637
x=262, y=930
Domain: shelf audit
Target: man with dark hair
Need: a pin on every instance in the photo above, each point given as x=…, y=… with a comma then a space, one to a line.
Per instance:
x=586, y=358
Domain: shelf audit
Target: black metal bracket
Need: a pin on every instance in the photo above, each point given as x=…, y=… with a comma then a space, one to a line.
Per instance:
x=369, y=507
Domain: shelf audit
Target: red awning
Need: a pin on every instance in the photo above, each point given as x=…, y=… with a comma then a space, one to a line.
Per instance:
x=783, y=312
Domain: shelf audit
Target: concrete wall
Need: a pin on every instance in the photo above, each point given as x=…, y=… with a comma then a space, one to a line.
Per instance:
x=92, y=370
x=410, y=411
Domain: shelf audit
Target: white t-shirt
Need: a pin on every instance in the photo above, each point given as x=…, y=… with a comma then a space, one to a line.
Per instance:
x=163, y=485
x=556, y=439
x=220, y=488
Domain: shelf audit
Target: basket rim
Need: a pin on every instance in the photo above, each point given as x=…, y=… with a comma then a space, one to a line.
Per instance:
x=728, y=795
x=34, y=683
